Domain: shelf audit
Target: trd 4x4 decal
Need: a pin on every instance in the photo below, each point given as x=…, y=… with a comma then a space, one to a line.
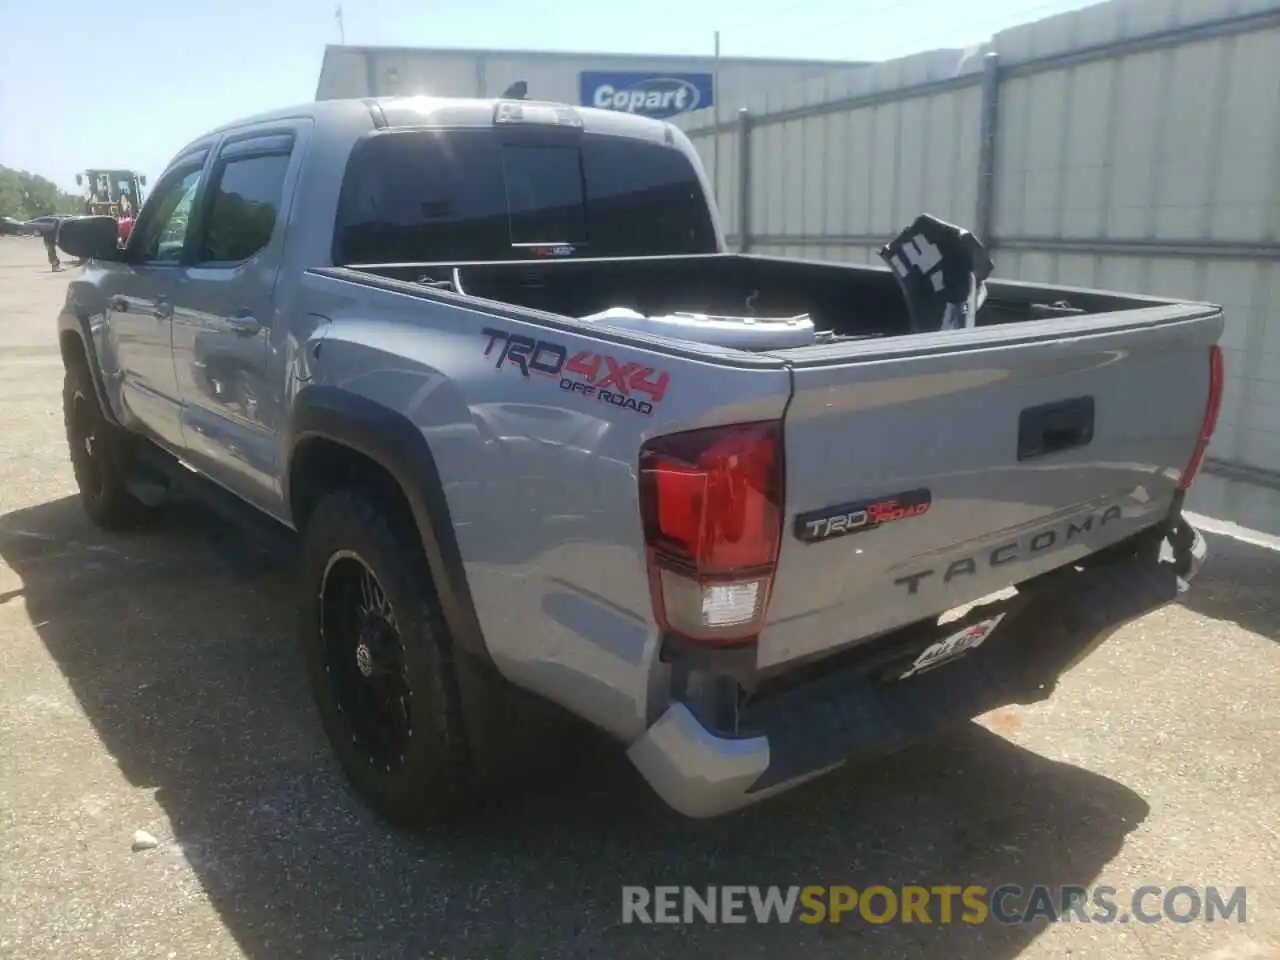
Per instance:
x=626, y=384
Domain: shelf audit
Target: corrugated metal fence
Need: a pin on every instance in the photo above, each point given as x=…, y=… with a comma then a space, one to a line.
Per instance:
x=1133, y=145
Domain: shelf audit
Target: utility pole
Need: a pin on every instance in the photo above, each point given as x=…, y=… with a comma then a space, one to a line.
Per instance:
x=342, y=30
x=715, y=122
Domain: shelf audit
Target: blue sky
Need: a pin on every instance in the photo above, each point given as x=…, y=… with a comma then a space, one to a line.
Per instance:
x=91, y=84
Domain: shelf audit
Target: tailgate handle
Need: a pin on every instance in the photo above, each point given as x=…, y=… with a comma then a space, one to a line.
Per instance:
x=1053, y=427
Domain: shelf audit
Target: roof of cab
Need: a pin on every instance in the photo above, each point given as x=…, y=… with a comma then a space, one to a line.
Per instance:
x=408, y=112
x=472, y=112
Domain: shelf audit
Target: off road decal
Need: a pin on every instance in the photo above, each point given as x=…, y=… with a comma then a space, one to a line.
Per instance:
x=594, y=376
x=860, y=516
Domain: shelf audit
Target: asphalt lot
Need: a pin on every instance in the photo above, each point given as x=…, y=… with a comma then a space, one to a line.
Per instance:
x=150, y=682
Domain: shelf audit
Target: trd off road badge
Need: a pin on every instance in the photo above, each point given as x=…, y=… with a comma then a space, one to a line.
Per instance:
x=860, y=516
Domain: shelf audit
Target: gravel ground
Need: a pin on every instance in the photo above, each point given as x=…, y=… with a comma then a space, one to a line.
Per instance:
x=149, y=683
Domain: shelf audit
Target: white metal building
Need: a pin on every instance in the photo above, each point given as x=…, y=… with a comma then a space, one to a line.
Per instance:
x=655, y=85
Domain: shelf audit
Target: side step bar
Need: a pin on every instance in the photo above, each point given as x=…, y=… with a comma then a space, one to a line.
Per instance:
x=161, y=477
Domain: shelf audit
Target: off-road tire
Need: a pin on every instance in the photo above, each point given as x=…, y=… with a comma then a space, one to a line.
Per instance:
x=435, y=778
x=101, y=454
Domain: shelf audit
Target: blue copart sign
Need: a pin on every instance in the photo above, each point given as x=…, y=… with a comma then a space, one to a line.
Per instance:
x=647, y=94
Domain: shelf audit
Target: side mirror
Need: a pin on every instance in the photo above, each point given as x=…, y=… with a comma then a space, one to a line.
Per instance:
x=142, y=180
x=79, y=180
x=89, y=238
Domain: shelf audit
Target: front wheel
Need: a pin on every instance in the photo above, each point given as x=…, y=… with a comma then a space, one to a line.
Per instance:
x=101, y=454
x=380, y=660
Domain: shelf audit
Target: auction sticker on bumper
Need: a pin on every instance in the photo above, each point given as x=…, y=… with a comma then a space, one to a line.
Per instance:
x=953, y=646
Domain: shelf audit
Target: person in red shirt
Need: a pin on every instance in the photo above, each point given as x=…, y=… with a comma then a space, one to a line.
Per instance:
x=126, y=218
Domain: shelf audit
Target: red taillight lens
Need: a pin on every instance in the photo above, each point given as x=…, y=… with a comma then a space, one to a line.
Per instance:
x=711, y=503
x=1217, y=382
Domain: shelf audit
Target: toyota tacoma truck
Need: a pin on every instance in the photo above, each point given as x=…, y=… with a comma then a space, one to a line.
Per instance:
x=489, y=372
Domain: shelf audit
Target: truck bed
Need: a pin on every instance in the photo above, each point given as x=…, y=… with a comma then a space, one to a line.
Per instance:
x=844, y=300
x=922, y=472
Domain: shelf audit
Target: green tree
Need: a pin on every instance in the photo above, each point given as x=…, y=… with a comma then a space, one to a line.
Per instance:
x=25, y=195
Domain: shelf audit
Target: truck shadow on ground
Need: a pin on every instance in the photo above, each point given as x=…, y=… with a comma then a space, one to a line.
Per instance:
x=179, y=648
x=1240, y=583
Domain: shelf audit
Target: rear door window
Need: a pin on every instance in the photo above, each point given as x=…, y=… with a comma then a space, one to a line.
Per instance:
x=424, y=196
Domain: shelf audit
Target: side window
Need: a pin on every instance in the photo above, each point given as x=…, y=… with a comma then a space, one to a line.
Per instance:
x=163, y=233
x=246, y=199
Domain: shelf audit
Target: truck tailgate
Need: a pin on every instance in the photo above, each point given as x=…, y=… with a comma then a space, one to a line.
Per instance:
x=923, y=476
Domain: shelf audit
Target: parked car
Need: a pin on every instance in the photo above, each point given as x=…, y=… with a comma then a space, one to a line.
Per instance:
x=39, y=225
x=487, y=370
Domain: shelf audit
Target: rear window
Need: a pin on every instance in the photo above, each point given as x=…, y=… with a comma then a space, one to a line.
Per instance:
x=423, y=196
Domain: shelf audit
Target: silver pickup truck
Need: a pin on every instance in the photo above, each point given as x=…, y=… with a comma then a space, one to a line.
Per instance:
x=488, y=370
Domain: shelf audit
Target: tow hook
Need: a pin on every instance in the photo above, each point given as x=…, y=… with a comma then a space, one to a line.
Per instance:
x=1182, y=539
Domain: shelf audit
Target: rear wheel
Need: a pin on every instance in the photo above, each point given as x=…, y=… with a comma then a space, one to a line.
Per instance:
x=101, y=454
x=381, y=661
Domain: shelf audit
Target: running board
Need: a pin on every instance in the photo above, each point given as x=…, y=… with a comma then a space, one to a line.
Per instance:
x=161, y=477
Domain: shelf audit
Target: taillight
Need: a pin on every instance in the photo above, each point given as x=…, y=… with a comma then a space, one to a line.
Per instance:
x=711, y=503
x=1217, y=376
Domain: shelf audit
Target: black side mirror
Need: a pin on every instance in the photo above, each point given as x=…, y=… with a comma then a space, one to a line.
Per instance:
x=517, y=91
x=89, y=238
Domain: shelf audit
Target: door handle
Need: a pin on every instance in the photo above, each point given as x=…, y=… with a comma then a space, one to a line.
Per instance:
x=245, y=324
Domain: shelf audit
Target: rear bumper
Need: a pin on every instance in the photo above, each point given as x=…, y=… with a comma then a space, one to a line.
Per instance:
x=813, y=727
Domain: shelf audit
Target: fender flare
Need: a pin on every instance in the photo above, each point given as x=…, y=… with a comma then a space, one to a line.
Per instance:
x=78, y=326
x=390, y=440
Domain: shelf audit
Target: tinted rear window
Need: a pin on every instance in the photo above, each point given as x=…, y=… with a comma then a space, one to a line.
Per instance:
x=425, y=196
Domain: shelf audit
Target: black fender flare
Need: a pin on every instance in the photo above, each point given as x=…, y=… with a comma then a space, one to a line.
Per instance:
x=390, y=440
x=78, y=326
